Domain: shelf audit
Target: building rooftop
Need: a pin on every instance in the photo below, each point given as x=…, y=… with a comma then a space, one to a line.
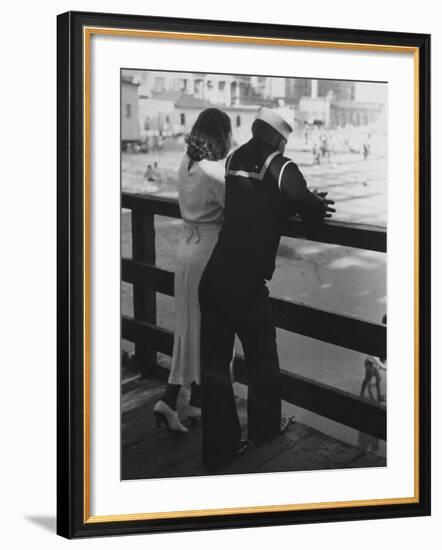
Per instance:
x=187, y=101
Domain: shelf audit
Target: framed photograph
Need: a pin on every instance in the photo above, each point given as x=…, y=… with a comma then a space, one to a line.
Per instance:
x=243, y=239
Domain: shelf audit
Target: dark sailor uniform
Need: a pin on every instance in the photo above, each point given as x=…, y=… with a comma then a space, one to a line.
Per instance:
x=263, y=188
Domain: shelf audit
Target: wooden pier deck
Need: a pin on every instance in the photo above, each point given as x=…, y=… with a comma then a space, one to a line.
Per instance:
x=151, y=452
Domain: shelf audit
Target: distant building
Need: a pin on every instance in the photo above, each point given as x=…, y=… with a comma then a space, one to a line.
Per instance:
x=174, y=113
x=296, y=88
x=219, y=89
x=336, y=90
x=158, y=113
x=130, y=128
x=332, y=103
x=169, y=102
x=356, y=113
x=314, y=110
x=242, y=117
x=171, y=113
x=334, y=114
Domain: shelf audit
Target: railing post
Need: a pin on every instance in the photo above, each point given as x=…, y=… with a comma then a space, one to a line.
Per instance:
x=144, y=300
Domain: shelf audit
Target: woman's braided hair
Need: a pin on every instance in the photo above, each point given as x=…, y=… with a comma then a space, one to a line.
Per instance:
x=210, y=136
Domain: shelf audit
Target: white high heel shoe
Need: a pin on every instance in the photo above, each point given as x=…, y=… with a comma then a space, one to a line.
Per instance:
x=167, y=416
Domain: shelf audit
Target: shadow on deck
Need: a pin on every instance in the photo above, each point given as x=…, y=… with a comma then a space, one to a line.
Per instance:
x=151, y=452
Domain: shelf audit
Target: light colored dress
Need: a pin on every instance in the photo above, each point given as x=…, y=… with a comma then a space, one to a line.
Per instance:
x=201, y=193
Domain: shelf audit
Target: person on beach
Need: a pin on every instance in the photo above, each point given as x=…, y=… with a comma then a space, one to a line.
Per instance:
x=316, y=155
x=373, y=367
x=149, y=174
x=201, y=198
x=263, y=188
x=157, y=172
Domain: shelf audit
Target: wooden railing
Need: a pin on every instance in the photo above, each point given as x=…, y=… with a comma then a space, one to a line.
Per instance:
x=342, y=330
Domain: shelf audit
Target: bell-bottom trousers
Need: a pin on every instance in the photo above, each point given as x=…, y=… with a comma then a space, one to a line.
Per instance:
x=229, y=307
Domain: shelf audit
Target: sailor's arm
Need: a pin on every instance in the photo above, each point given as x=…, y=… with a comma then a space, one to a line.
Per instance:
x=312, y=206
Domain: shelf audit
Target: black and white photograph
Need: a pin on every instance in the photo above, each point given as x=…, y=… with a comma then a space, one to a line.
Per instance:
x=243, y=271
x=220, y=285
x=253, y=274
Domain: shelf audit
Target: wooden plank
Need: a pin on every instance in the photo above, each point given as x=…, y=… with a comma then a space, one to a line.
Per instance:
x=257, y=457
x=333, y=403
x=160, y=454
x=347, y=331
x=150, y=452
x=144, y=299
x=159, y=338
x=368, y=460
x=367, y=237
x=319, y=452
x=327, y=401
x=151, y=204
x=138, y=422
x=354, y=235
x=148, y=275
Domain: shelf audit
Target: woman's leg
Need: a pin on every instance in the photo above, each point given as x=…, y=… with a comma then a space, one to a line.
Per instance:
x=165, y=409
x=170, y=395
x=195, y=395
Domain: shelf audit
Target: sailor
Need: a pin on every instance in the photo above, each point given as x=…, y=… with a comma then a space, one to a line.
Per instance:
x=263, y=188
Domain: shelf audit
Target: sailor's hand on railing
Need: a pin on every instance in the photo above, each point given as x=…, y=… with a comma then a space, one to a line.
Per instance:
x=326, y=203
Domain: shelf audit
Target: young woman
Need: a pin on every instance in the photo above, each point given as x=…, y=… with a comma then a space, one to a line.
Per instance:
x=201, y=199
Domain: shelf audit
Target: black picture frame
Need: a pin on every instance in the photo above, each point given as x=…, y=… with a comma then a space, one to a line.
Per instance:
x=72, y=516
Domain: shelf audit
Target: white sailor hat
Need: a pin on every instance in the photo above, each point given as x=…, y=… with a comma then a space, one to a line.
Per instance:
x=275, y=120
